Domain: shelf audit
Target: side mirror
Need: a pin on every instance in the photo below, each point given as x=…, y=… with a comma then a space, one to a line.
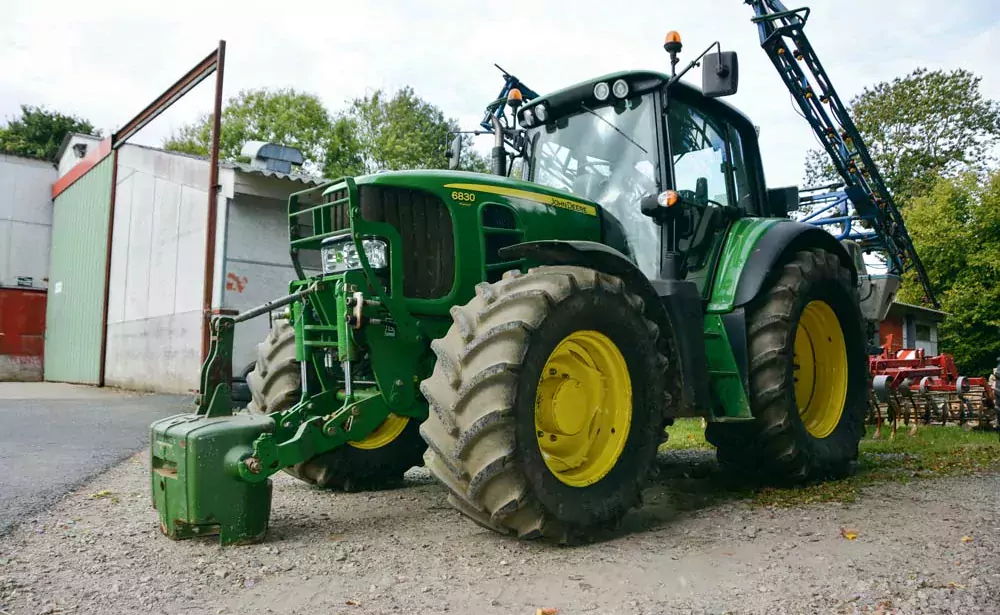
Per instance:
x=701, y=191
x=454, y=153
x=720, y=74
x=781, y=201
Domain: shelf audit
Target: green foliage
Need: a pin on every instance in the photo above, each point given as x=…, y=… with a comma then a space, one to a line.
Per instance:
x=401, y=131
x=38, y=133
x=956, y=230
x=377, y=132
x=284, y=116
x=920, y=127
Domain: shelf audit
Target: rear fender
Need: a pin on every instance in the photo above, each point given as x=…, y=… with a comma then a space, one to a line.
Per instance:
x=754, y=248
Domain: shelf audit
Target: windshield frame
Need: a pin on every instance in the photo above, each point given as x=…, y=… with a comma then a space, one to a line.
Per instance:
x=623, y=226
x=582, y=108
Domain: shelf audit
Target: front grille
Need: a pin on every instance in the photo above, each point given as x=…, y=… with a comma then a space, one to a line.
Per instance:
x=423, y=222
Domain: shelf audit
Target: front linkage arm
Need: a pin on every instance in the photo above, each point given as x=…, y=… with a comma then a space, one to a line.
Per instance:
x=215, y=398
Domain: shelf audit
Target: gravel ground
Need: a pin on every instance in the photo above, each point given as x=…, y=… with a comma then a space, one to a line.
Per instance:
x=926, y=547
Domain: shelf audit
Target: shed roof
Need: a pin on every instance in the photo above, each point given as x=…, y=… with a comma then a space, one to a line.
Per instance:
x=899, y=309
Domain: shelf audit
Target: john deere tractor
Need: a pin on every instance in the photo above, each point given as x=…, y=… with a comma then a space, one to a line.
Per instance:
x=530, y=339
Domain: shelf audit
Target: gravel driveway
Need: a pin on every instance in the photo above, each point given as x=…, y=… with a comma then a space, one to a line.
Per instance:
x=926, y=547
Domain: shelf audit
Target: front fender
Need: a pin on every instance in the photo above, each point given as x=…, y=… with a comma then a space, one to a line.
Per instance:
x=756, y=246
x=674, y=305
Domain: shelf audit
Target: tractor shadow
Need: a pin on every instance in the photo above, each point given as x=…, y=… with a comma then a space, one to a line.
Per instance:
x=686, y=481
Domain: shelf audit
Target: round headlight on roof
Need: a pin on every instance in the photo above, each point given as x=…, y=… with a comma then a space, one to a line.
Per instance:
x=541, y=113
x=620, y=88
x=602, y=91
x=527, y=119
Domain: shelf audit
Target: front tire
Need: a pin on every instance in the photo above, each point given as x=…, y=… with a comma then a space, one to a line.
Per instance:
x=376, y=462
x=808, y=377
x=547, y=402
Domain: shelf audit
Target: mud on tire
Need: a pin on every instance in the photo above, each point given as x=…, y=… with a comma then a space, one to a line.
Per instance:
x=481, y=432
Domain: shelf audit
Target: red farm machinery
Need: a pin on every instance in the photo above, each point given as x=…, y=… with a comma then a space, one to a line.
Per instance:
x=909, y=386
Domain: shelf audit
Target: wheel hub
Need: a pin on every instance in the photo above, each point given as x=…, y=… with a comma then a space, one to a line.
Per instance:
x=583, y=408
x=820, y=369
x=384, y=434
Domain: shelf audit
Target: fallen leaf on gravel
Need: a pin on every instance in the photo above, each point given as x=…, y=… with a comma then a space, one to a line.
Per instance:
x=103, y=494
x=966, y=538
x=547, y=611
x=848, y=533
x=352, y=603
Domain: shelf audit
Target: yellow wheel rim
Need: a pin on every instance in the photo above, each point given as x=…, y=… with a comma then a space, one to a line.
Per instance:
x=820, y=369
x=583, y=408
x=385, y=433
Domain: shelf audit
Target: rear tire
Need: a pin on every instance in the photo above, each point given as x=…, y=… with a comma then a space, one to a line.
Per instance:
x=276, y=385
x=498, y=374
x=799, y=362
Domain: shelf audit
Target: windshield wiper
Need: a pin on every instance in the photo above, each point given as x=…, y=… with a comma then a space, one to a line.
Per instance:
x=617, y=129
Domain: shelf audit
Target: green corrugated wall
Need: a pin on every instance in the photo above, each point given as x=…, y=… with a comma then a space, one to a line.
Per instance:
x=73, y=315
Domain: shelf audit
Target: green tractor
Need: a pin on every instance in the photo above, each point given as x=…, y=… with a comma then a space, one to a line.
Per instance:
x=530, y=340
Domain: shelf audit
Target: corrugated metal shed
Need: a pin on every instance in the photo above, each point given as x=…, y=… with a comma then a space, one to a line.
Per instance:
x=75, y=307
x=306, y=180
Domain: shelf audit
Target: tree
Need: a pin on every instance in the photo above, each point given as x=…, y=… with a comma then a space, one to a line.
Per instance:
x=955, y=227
x=38, y=133
x=286, y=116
x=403, y=131
x=920, y=127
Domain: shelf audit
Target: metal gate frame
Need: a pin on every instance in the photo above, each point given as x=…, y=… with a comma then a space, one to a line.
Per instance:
x=214, y=62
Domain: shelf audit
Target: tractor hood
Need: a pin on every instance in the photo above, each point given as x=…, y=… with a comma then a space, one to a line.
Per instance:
x=436, y=181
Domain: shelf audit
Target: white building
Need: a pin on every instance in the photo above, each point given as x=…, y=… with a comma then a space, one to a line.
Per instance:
x=155, y=277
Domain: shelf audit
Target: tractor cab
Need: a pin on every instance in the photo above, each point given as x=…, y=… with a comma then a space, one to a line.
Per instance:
x=635, y=135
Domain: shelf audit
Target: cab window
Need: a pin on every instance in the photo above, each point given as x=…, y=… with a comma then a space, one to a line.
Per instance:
x=700, y=155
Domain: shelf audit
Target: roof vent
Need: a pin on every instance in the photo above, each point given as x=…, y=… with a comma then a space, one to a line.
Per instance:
x=271, y=156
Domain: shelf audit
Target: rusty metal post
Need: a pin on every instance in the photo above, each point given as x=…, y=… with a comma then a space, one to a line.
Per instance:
x=213, y=202
x=107, y=266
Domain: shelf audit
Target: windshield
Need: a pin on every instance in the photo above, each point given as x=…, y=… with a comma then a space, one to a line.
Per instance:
x=607, y=155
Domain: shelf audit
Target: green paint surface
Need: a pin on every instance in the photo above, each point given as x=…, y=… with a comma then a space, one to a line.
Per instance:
x=75, y=304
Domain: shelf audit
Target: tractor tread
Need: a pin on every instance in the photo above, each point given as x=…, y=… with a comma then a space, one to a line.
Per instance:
x=773, y=448
x=472, y=388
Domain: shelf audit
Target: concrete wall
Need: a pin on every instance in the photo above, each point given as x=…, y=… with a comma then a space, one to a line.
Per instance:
x=25, y=221
x=157, y=271
x=258, y=267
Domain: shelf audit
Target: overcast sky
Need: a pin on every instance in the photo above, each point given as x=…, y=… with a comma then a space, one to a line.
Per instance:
x=104, y=60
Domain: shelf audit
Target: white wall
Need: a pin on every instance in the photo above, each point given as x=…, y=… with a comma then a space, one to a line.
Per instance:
x=25, y=220
x=157, y=271
x=69, y=158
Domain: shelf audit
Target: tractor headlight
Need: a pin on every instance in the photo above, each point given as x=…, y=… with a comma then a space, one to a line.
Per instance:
x=340, y=254
x=602, y=91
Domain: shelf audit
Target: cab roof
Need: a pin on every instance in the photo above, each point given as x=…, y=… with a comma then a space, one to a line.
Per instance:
x=640, y=81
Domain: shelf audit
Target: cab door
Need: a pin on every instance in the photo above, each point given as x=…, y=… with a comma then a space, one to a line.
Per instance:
x=706, y=168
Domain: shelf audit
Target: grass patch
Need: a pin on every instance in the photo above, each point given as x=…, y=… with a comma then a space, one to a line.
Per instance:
x=685, y=434
x=934, y=451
